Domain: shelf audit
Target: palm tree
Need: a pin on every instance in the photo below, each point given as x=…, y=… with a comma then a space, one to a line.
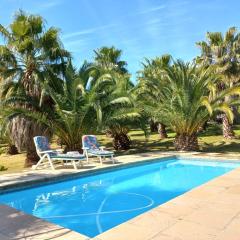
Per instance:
x=151, y=80
x=30, y=59
x=120, y=112
x=117, y=108
x=222, y=52
x=188, y=99
x=108, y=58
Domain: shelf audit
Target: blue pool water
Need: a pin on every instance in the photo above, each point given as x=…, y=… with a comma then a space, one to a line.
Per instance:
x=94, y=204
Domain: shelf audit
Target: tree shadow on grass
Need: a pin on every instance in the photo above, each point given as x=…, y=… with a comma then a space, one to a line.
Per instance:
x=222, y=147
x=212, y=130
x=149, y=146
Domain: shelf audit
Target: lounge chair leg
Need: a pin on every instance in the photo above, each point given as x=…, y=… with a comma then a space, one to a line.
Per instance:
x=39, y=162
x=74, y=165
x=112, y=158
x=50, y=162
x=100, y=158
x=86, y=154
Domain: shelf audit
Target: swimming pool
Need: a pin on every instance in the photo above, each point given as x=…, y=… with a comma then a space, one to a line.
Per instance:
x=93, y=204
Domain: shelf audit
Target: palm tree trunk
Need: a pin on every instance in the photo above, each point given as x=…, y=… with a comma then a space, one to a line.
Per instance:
x=185, y=142
x=153, y=126
x=121, y=141
x=162, y=131
x=227, y=128
x=22, y=131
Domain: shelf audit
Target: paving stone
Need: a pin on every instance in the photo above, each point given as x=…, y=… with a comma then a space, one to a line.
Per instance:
x=16, y=225
x=184, y=230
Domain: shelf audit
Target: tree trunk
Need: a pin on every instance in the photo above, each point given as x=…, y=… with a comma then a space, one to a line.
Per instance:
x=22, y=131
x=227, y=128
x=153, y=126
x=162, y=131
x=121, y=141
x=184, y=142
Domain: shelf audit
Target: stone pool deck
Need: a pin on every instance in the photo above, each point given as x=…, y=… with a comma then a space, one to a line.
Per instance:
x=210, y=211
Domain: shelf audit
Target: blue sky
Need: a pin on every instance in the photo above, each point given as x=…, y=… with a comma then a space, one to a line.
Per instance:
x=141, y=28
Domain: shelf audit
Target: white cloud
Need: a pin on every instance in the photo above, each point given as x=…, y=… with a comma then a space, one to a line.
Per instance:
x=79, y=42
x=44, y=5
x=152, y=9
x=87, y=31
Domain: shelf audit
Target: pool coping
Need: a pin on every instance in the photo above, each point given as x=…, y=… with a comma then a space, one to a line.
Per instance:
x=137, y=226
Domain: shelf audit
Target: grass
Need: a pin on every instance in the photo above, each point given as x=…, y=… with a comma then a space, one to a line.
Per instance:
x=12, y=163
x=209, y=141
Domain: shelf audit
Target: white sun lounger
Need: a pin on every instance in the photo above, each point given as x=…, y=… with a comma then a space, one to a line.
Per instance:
x=49, y=157
x=91, y=147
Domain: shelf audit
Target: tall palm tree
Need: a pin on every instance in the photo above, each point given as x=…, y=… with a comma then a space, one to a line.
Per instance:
x=188, y=99
x=31, y=58
x=118, y=108
x=222, y=52
x=150, y=81
x=108, y=58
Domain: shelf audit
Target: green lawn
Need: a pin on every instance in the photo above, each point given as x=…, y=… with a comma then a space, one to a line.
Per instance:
x=209, y=141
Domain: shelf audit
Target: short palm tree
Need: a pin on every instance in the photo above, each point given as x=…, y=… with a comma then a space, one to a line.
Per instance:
x=222, y=52
x=31, y=58
x=187, y=101
x=120, y=112
x=150, y=81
